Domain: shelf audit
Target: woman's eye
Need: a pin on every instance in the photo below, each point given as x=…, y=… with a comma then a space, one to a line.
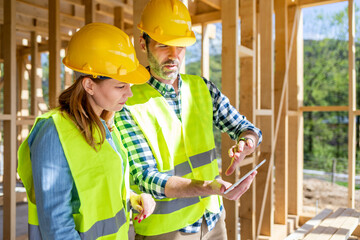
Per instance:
x=120, y=87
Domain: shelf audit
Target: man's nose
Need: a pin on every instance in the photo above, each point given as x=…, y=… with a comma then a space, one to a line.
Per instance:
x=173, y=52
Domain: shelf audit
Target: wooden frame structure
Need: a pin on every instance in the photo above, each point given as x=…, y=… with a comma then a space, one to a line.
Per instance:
x=265, y=87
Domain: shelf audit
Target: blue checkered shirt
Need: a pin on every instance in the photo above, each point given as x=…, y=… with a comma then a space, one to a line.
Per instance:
x=143, y=168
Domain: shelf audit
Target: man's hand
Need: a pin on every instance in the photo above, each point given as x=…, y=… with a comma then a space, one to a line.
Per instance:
x=143, y=203
x=238, y=152
x=219, y=186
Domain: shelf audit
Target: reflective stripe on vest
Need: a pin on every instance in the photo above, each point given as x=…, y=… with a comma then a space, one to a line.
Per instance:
x=93, y=221
x=198, y=160
x=99, y=229
x=183, y=148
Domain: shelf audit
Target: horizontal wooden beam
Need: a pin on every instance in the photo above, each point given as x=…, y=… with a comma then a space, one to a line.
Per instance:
x=313, y=3
x=212, y=3
x=324, y=108
x=210, y=17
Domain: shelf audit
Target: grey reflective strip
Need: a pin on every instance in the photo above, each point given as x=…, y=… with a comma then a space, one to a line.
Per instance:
x=34, y=232
x=203, y=158
x=197, y=161
x=166, y=207
x=182, y=169
x=105, y=227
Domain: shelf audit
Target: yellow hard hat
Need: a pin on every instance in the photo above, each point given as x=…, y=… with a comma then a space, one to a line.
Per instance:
x=167, y=22
x=100, y=49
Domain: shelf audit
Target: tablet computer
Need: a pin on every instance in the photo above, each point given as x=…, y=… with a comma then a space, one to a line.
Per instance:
x=244, y=177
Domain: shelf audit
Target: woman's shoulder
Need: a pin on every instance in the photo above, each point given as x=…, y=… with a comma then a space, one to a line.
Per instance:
x=44, y=127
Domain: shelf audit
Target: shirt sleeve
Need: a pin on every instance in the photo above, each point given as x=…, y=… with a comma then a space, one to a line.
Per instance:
x=226, y=117
x=143, y=166
x=53, y=183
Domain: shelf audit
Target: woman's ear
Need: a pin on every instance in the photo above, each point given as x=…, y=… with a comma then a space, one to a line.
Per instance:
x=88, y=84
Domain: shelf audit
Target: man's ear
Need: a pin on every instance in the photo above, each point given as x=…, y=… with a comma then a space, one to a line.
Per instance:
x=142, y=44
x=88, y=85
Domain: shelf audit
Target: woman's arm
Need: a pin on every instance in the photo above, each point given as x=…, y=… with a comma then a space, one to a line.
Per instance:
x=53, y=183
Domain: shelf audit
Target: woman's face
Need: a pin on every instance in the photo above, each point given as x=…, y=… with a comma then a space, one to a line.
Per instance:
x=109, y=94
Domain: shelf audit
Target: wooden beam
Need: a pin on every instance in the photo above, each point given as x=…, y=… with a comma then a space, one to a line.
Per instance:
x=323, y=108
x=314, y=3
x=119, y=17
x=264, y=203
x=247, y=108
x=205, y=55
x=9, y=48
x=54, y=52
x=89, y=11
x=212, y=3
x=230, y=87
x=295, y=123
x=281, y=150
x=352, y=107
x=210, y=17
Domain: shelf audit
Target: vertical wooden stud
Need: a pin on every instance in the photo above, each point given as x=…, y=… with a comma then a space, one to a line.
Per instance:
x=281, y=150
x=9, y=49
x=230, y=87
x=54, y=52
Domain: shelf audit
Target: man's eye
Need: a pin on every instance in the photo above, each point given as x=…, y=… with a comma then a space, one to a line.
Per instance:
x=120, y=87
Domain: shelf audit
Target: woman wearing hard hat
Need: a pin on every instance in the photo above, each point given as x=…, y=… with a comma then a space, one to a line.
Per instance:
x=73, y=164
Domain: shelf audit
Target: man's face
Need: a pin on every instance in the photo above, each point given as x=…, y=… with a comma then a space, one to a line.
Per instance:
x=164, y=61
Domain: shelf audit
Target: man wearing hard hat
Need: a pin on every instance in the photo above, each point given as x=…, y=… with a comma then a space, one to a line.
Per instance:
x=167, y=127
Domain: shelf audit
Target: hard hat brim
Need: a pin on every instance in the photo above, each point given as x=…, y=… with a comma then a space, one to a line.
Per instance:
x=177, y=41
x=140, y=76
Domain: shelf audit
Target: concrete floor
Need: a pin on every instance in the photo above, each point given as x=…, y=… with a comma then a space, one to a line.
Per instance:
x=22, y=226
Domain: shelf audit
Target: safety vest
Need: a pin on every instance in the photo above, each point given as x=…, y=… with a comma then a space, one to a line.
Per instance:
x=99, y=180
x=183, y=148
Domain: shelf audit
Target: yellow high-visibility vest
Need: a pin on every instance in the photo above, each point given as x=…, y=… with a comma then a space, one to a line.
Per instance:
x=99, y=179
x=183, y=148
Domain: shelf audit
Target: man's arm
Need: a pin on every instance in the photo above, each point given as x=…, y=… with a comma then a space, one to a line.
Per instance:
x=229, y=120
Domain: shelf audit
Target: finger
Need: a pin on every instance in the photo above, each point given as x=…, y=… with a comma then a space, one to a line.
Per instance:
x=231, y=151
x=231, y=168
x=240, y=146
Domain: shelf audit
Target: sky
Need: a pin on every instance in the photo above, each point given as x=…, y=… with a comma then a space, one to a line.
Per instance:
x=317, y=28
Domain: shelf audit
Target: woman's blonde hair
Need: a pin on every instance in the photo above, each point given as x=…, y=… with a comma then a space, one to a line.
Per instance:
x=75, y=103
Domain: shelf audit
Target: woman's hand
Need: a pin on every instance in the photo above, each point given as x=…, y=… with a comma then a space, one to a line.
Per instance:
x=143, y=203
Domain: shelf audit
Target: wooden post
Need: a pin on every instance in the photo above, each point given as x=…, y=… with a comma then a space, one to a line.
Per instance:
x=230, y=87
x=9, y=49
x=205, y=56
x=119, y=18
x=281, y=150
x=352, y=107
x=54, y=52
x=35, y=81
x=295, y=123
x=247, y=108
x=90, y=11
x=264, y=204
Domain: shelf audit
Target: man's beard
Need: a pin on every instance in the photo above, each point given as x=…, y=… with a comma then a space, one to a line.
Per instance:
x=159, y=69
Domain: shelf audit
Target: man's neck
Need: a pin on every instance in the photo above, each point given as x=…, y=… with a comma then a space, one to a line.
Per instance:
x=173, y=82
